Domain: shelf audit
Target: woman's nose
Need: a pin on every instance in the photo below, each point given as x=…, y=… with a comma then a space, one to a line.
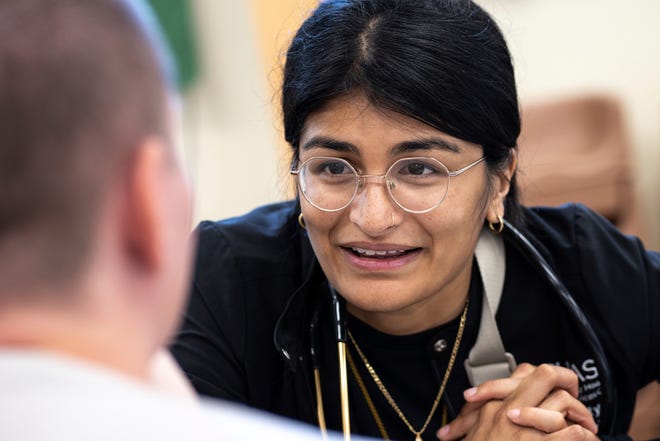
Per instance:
x=373, y=210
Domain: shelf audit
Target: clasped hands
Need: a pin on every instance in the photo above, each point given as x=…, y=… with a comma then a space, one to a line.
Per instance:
x=534, y=403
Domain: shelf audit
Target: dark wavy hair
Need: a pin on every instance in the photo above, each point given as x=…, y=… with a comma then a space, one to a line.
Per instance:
x=442, y=62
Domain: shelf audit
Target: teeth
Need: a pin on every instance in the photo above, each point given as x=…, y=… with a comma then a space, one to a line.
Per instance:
x=372, y=253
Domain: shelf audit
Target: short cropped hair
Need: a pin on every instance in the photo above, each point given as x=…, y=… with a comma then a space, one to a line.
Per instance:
x=82, y=82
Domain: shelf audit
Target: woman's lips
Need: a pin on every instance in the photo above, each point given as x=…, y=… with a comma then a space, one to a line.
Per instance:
x=369, y=259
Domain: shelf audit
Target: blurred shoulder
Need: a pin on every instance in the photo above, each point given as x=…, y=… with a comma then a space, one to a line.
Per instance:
x=579, y=241
x=266, y=228
x=264, y=243
x=573, y=226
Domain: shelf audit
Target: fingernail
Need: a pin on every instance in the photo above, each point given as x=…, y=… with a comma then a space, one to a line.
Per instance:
x=444, y=431
x=470, y=392
x=513, y=413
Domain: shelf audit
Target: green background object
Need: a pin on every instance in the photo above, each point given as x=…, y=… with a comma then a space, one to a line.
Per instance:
x=176, y=21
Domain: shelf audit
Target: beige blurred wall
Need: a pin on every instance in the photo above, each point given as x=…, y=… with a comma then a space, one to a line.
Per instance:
x=231, y=137
x=560, y=47
x=566, y=47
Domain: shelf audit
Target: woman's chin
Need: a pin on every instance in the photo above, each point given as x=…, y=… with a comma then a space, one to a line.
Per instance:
x=379, y=300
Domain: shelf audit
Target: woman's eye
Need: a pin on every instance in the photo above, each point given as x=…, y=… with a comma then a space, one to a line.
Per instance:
x=328, y=167
x=336, y=168
x=417, y=168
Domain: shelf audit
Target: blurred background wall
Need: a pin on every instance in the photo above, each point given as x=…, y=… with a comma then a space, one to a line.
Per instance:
x=561, y=48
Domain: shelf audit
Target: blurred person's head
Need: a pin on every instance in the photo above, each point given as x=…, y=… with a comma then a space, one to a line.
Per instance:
x=372, y=83
x=94, y=207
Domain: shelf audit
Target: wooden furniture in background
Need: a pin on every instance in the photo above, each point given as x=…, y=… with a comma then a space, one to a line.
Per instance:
x=577, y=150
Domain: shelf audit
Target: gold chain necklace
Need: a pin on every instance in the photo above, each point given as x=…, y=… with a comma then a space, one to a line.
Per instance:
x=370, y=403
x=443, y=385
x=367, y=398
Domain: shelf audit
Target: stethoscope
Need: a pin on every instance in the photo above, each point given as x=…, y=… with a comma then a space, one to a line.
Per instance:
x=514, y=237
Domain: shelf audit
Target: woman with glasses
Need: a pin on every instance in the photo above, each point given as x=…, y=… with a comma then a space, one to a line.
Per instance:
x=403, y=119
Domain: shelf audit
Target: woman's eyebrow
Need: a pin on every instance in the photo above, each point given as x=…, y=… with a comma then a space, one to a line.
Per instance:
x=425, y=144
x=329, y=143
x=402, y=147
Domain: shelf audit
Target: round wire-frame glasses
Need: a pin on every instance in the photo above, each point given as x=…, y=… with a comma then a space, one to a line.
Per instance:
x=416, y=185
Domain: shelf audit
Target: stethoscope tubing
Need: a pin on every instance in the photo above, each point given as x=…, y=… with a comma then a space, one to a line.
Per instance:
x=532, y=255
x=523, y=245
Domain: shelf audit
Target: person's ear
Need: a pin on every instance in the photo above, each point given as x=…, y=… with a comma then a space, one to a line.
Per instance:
x=501, y=183
x=143, y=228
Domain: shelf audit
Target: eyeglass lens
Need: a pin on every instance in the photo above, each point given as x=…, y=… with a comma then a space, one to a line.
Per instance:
x=415, y=184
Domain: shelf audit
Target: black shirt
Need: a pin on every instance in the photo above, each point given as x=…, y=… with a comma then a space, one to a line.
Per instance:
x=246, y=335
x=412, y=368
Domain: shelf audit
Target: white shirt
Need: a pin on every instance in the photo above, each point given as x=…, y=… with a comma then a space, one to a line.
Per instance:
x=48, y=397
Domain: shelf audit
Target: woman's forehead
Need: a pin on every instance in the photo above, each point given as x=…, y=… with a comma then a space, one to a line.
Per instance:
x=351, y=123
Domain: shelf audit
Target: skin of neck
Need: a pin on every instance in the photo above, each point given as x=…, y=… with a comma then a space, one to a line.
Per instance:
x=70, y=332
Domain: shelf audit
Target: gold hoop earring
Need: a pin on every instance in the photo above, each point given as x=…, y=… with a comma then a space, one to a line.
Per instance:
x=497, y=228
x=301, y=221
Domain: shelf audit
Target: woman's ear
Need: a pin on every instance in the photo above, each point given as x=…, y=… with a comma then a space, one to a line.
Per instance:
x=501, y=183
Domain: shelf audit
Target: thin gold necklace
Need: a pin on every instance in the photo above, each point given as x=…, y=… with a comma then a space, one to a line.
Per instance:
x=445, y=379
x=370, y=403
x=367, y=398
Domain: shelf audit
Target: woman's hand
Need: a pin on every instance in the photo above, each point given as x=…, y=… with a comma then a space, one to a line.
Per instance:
x=494, y=423
x=543, y=399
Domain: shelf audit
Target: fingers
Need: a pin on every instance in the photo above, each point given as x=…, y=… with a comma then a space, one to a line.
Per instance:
x=492, y=390
x=523, y=370
x=459, y=427
x=571, y=408
x=551, y=389
x=500, y=388
x=547, y=421
x=495, y=422
x=572, y=433
x=534, y=388
x=543, y=378
x=476, y=397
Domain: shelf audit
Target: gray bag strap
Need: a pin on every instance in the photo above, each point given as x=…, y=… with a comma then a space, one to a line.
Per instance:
x=488, y=359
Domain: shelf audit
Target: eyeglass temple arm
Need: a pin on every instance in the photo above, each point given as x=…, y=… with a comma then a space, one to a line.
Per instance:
x=466, y=168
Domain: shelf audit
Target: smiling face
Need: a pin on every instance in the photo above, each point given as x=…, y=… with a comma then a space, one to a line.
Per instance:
x=400, y=272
